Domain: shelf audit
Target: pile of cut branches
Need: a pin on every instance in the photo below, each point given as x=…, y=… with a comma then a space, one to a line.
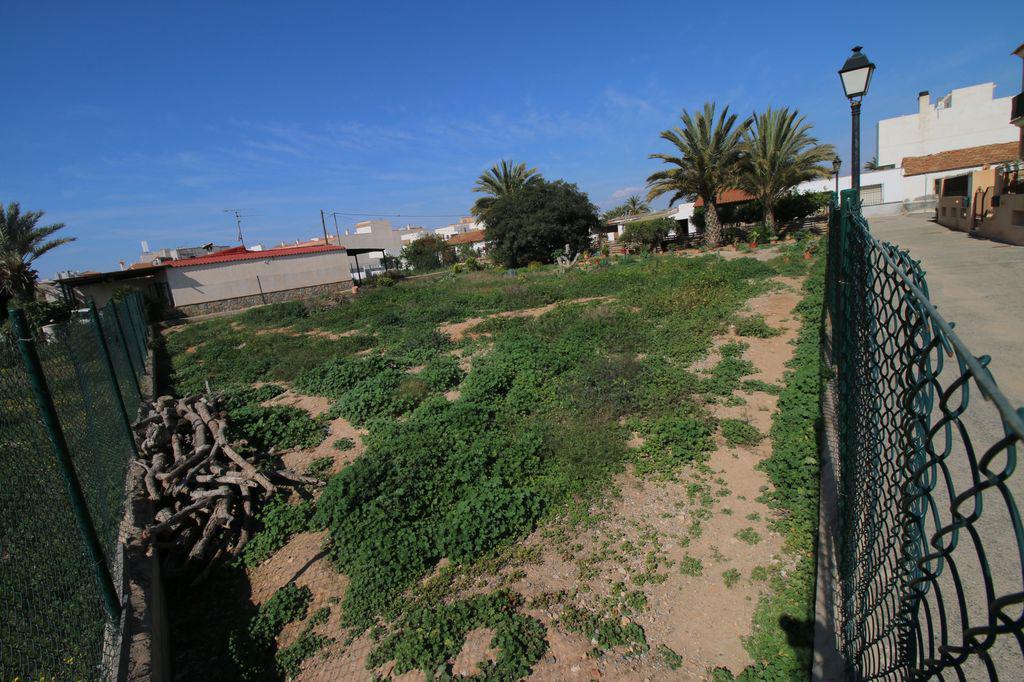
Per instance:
x=205, y=493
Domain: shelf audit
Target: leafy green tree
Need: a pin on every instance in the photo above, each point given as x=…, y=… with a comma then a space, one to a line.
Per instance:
x=535, y=223
x=22, y=242
x=501, y=180
x=428, y=253
x=707, y=162
x=779, y=153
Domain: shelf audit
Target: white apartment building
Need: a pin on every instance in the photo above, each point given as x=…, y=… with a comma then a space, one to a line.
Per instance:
x=464, y=225
x=964, y=117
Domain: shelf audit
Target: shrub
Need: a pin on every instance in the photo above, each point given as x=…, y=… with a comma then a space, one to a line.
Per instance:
x=650, y=234
x=250, y=650
x=442, y=373
x=320, y=467
x=739, y=432
x=427, y=637
x=281, y=427
x=277, y=522
x=755, y=326
x=337, y=376
x=748, y=535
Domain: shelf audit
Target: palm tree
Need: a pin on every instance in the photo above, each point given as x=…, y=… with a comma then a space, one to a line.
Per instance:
x=709, y=150
x=778, y=154
x=21, y=243
x=500, y=180
x=635, y=205
x=872, y=163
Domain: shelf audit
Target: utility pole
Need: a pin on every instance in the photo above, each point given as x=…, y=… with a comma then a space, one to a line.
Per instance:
x=323, y=224
x=337, y=232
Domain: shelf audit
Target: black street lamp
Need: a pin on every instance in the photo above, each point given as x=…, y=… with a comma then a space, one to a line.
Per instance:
x=837, y=163
x=856, y=77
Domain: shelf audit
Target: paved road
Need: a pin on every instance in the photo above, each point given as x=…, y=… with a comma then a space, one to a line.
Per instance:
x=979, y=285
x=976, y=283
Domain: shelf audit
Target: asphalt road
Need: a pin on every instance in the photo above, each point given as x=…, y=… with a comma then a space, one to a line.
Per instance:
x=978, y=285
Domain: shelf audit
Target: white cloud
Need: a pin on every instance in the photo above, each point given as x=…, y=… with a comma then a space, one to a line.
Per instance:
x=625, y=192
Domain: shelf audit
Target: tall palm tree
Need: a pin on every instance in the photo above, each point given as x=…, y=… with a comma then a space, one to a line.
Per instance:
x=709, y=150
x=635, y=205
x=22, y=241
x=500, y=180
x=779, y=153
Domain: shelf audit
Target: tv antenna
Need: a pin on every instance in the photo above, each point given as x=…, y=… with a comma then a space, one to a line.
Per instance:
x=239, y=214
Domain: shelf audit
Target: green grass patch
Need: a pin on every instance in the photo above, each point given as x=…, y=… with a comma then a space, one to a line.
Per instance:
x=739, y=432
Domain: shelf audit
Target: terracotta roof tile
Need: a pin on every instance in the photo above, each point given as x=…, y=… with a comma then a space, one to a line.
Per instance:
x=729, y=196
x=956, y=159
x=468, y=237
x=239, y=253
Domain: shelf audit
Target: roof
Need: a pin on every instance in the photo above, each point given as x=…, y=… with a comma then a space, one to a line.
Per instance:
x=729, y=196
x=145, y=270
x=468, y=237
x=956, y=159
x=240, y=253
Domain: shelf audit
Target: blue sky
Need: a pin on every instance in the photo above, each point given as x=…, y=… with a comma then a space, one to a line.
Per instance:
x=132, y=121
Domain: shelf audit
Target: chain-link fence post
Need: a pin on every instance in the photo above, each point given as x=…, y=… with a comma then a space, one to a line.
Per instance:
x=48, y=413
x=94, y=316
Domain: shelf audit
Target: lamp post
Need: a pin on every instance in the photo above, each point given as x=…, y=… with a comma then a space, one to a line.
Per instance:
x=837, y=163
x=856, y=77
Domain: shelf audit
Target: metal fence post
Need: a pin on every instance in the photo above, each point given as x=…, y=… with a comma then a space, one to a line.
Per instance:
x=51, y=421
x=127, y=350
x=95, y=317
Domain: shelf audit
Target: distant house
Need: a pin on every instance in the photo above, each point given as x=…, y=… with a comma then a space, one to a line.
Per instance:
x=231, y=279
x=463, y=226
x=476, y=239
x=613, y=229
x=239, y=278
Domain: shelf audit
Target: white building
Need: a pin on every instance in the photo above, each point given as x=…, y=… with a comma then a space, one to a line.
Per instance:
x=464, y=225
x=965, y=117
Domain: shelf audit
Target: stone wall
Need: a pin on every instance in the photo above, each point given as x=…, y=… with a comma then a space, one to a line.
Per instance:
x=242, y=302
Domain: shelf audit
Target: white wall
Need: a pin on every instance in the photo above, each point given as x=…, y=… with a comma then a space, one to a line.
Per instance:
x=233, y=279
x=966, y=117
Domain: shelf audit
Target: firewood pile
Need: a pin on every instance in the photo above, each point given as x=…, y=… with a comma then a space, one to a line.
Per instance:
x=204, y=492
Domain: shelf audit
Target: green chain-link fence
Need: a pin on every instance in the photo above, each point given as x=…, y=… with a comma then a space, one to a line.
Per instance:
x=67, y=393
x=931, y=544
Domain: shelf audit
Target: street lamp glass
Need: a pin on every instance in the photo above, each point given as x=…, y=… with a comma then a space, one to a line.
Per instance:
x=856, y=74
x=837, y=163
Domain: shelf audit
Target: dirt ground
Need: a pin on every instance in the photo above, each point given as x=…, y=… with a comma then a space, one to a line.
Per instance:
x=653, y=528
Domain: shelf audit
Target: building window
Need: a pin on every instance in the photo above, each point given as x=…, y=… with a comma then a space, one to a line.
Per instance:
x=871, y=195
